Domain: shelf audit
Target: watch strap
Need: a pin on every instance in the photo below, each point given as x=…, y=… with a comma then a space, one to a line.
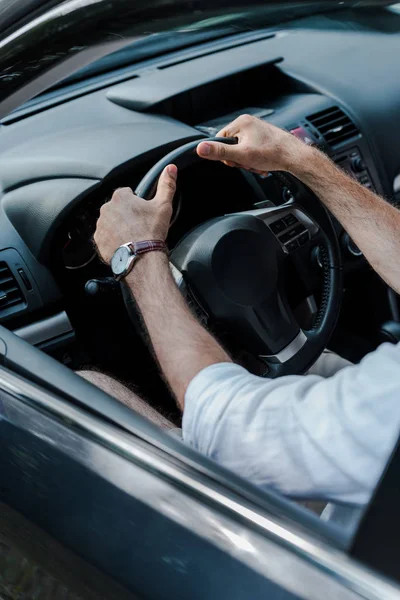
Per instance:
x=147, y=246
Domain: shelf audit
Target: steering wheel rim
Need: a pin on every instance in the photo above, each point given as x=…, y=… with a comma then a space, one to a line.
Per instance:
x=182, y=157
x=306, y=346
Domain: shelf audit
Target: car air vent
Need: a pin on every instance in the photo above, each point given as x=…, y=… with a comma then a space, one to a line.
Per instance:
x=334, y=125
x=10, y=292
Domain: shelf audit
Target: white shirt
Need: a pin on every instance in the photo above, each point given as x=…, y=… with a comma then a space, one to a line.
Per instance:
x=305, y=436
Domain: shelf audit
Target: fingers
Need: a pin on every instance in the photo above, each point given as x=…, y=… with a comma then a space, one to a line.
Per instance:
x=167, y=185
x=258, y=172
x=229, y=154
x=230, y=163
x=226, y=131
x=121, y=193
x=236, y=127
x=217, y=151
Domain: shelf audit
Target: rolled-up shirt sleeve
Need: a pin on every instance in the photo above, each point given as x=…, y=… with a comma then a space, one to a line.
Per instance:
x=305, y=436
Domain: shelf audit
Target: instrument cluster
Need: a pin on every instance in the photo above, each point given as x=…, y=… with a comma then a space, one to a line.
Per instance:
x=77, y=245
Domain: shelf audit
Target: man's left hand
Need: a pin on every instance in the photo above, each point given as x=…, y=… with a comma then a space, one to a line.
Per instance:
x=128, y=218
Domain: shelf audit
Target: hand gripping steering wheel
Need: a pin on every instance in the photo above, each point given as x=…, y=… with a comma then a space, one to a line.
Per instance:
x=233, y=266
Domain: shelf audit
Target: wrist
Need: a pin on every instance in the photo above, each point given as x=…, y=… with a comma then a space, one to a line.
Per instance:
x=146, y=264
x=307, y=162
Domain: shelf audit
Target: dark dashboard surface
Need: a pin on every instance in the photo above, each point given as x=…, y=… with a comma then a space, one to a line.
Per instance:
x=57, y=166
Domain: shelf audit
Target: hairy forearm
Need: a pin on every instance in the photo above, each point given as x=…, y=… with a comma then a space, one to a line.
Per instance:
x=182, y=346
x=373, y=223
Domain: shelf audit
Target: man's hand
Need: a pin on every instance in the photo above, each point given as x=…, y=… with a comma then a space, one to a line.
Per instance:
x=372, y=223
x=261, y=148
x=127, y=218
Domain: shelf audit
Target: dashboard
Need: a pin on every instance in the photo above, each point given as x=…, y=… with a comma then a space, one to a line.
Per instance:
x=203, y=192
x=58, y=164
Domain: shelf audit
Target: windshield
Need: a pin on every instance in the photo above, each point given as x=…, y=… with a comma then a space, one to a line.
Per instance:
x=272, y=16
x=81, y=39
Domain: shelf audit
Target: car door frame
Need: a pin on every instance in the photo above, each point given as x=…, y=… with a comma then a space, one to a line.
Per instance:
x=105, y=483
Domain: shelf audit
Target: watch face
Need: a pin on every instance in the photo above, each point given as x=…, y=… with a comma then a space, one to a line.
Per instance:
x=120, y=260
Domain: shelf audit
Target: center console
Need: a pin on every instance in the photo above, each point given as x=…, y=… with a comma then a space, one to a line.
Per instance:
x=352, y=161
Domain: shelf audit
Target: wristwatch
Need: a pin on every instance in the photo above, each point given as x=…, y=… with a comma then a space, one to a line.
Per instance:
x=126, y=255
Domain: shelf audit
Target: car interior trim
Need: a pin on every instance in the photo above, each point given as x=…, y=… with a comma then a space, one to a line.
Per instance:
x=144, y=94
x=396, y=184
x=291, y=349
x=269, y=214
x=46, y=329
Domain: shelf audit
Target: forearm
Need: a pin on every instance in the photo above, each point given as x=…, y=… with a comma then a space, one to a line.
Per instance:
x=373, y=224
x=182, y=346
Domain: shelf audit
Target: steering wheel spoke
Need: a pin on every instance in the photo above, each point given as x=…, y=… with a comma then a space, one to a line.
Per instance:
x=288, y=352
x=290, y=224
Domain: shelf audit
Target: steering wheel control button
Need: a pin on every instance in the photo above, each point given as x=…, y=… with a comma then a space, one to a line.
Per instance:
x=291, y=246
x=304, y=238
x=292, y=233
x=290, y=220
x=278, y=226
x=287, y=195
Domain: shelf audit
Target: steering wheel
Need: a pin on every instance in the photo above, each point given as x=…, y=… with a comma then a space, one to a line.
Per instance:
x=233, y=266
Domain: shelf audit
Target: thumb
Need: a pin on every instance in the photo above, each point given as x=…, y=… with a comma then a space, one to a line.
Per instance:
x=167, y=184
x=217, y=151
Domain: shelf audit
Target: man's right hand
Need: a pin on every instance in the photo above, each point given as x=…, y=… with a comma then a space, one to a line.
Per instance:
x=261, y=147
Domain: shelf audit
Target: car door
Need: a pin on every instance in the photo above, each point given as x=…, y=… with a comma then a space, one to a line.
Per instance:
x=98, y=502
